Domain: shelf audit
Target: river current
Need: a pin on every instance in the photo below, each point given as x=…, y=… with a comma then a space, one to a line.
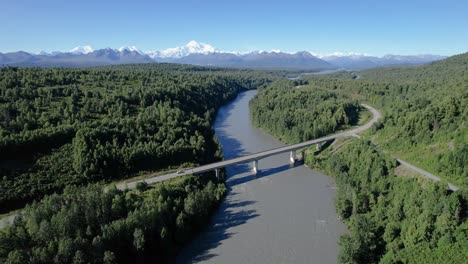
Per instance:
x=283, y=214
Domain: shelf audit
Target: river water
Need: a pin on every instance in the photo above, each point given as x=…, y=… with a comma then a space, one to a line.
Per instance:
x=283, y=214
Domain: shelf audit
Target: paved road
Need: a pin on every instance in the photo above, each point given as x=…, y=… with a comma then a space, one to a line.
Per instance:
x=257, y=156
x=260, y=155
x=376, y=115
x=425, y=173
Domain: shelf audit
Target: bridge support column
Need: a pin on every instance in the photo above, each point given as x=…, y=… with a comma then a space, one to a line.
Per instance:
x=217, y=173
x=255, y=166
x=319, y=145
x=292, y=156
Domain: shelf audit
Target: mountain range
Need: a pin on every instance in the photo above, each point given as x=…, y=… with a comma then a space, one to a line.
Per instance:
x=204, y=54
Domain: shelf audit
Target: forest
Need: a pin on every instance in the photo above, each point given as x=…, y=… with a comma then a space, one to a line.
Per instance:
x=294, y=111
x=86, y=225
x=61, y=127
x=425, y=109
x=64, y=133
x=392, y=219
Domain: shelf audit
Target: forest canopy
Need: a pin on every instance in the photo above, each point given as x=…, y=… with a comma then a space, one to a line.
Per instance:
x=393, y=219
x=87, y=225
x=425, y=109
x=296, y=112
x=61, y=127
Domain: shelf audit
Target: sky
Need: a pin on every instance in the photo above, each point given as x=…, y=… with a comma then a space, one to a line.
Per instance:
x=374, y=27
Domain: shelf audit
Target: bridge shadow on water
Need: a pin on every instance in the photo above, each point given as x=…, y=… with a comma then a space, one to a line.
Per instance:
x=260, y=174
x=229, y=215
x=232, y=212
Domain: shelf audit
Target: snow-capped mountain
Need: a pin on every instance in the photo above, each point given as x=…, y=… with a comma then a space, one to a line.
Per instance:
x=82, y=50
x=255, y=60
x=199, y=53
x=131, y=49
x=192, y=47
x=43, y=53
x=354, y=55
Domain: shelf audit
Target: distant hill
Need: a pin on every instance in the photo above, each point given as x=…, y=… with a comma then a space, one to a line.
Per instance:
x=68, y=59
x=366, y=62
x=303, y=60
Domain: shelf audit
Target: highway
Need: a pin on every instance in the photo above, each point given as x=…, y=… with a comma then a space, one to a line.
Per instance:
x=260, y=155
x=425, y=173
x=376, y=115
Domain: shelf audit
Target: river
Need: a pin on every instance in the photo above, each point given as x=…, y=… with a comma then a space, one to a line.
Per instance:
x=283, y=214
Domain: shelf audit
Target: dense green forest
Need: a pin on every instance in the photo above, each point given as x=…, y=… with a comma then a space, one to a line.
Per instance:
x=425, y=109
x=61, y=127
x=87, y=225
x=296, y=112
x=393, y=219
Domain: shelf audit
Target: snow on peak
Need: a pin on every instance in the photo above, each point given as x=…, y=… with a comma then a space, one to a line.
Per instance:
x=192, y=47
x=199, y=47
x=43, y=53
x=340, y=54
x=131, y=49
x=82, y=50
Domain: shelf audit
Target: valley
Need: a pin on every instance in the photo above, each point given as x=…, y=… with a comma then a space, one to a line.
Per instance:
x=296, y=132
x=73, y=131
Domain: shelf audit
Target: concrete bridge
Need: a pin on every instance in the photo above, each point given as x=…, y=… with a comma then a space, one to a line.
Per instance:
x=255, y=157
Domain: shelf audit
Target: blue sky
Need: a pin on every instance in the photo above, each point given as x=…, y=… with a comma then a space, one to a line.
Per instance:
x=373, y=27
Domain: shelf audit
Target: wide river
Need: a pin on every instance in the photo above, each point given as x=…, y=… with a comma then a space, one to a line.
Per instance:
x=281, y=215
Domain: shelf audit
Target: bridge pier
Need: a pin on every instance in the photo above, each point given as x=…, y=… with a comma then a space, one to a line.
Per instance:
x=320, y=145
x=292, y=156
x=255, y=166
x=217, y=173
x=301, y=156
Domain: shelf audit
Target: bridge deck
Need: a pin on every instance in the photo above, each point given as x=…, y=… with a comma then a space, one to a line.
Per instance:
x=258, y=155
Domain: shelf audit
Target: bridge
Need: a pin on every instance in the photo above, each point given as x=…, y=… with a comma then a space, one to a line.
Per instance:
x=255, y=157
